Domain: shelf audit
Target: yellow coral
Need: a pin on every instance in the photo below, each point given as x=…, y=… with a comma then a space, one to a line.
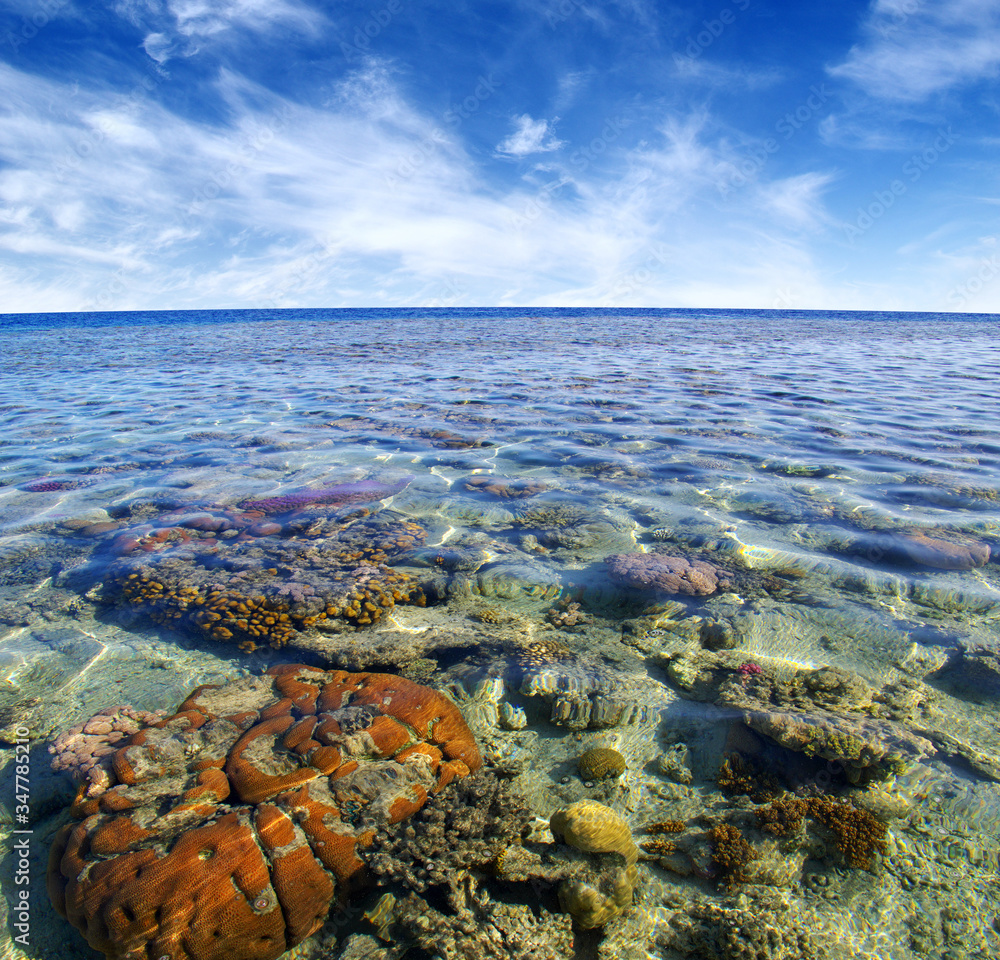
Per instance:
x=595, y=828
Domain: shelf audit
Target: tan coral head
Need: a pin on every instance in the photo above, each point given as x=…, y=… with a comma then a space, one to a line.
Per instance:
x=605, y=892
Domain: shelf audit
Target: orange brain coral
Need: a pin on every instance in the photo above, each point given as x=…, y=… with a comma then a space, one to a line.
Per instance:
x=234, y=824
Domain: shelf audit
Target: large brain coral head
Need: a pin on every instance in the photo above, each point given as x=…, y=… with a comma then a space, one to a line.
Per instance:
x=231, y=828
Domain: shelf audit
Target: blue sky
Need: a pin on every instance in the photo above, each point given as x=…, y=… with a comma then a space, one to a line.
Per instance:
x=173, y=154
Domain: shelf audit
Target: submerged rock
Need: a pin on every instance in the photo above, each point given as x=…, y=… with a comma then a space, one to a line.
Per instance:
x=668, y=575
x=930, y=551
x=827, y=712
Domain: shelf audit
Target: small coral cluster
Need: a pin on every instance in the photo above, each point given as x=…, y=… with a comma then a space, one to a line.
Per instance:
x=268, y=584
x=668, y=575
x=567, y=614
x=731, y=852
x=827, y=712
x=506, y=489
x=859, y=833
x=658, y=845
x=86, y=749
x=740, y=776
x=708, y=931
x=466, y=828
x=234, y=824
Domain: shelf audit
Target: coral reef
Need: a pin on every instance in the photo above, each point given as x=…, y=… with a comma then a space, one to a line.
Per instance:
x=867, y=749
x=657, y=844
x=269, y=582
x=600, y=762
x=234, y=824
x=827, y=712
x=567, y=614
x=503, y=487
x=464, y=829
x=51, y=484
x=669, y=575
x=740, y=776
x=730, y=854
x=859, y=833
x=86, y=750
x=708, y=931
x=364, y=491
x=482, y=929
x=594, y=828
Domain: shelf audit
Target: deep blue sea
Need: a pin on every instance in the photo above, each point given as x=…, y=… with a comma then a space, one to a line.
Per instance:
x=755, y=553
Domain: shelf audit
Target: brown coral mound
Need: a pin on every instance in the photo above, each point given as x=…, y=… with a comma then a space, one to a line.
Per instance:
x=656, y=572
x=235, y=822
x=730, y=854
x=859, y=833
x=600, y=762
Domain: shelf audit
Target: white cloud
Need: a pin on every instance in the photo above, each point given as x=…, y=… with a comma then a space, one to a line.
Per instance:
x=796, y=201
x=121, y=204
x=178, y=28
x=529, y=136
x=913, y=50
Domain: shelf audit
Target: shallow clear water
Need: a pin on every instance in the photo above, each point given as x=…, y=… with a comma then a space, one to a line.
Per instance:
x=844, y=470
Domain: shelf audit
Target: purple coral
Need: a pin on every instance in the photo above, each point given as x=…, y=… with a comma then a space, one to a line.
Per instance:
x=364, y=491
x=653, y=571
x=49, y=484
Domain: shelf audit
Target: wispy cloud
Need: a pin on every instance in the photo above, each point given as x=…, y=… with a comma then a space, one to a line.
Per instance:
x=798, y=200
x=177, y=28
x=529, y=136
x=912, y=50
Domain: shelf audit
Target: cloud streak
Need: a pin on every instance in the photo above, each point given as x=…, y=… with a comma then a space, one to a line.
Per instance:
x=913, y=50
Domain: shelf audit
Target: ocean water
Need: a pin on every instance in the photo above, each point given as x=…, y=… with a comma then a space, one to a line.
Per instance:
x=540, y=481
